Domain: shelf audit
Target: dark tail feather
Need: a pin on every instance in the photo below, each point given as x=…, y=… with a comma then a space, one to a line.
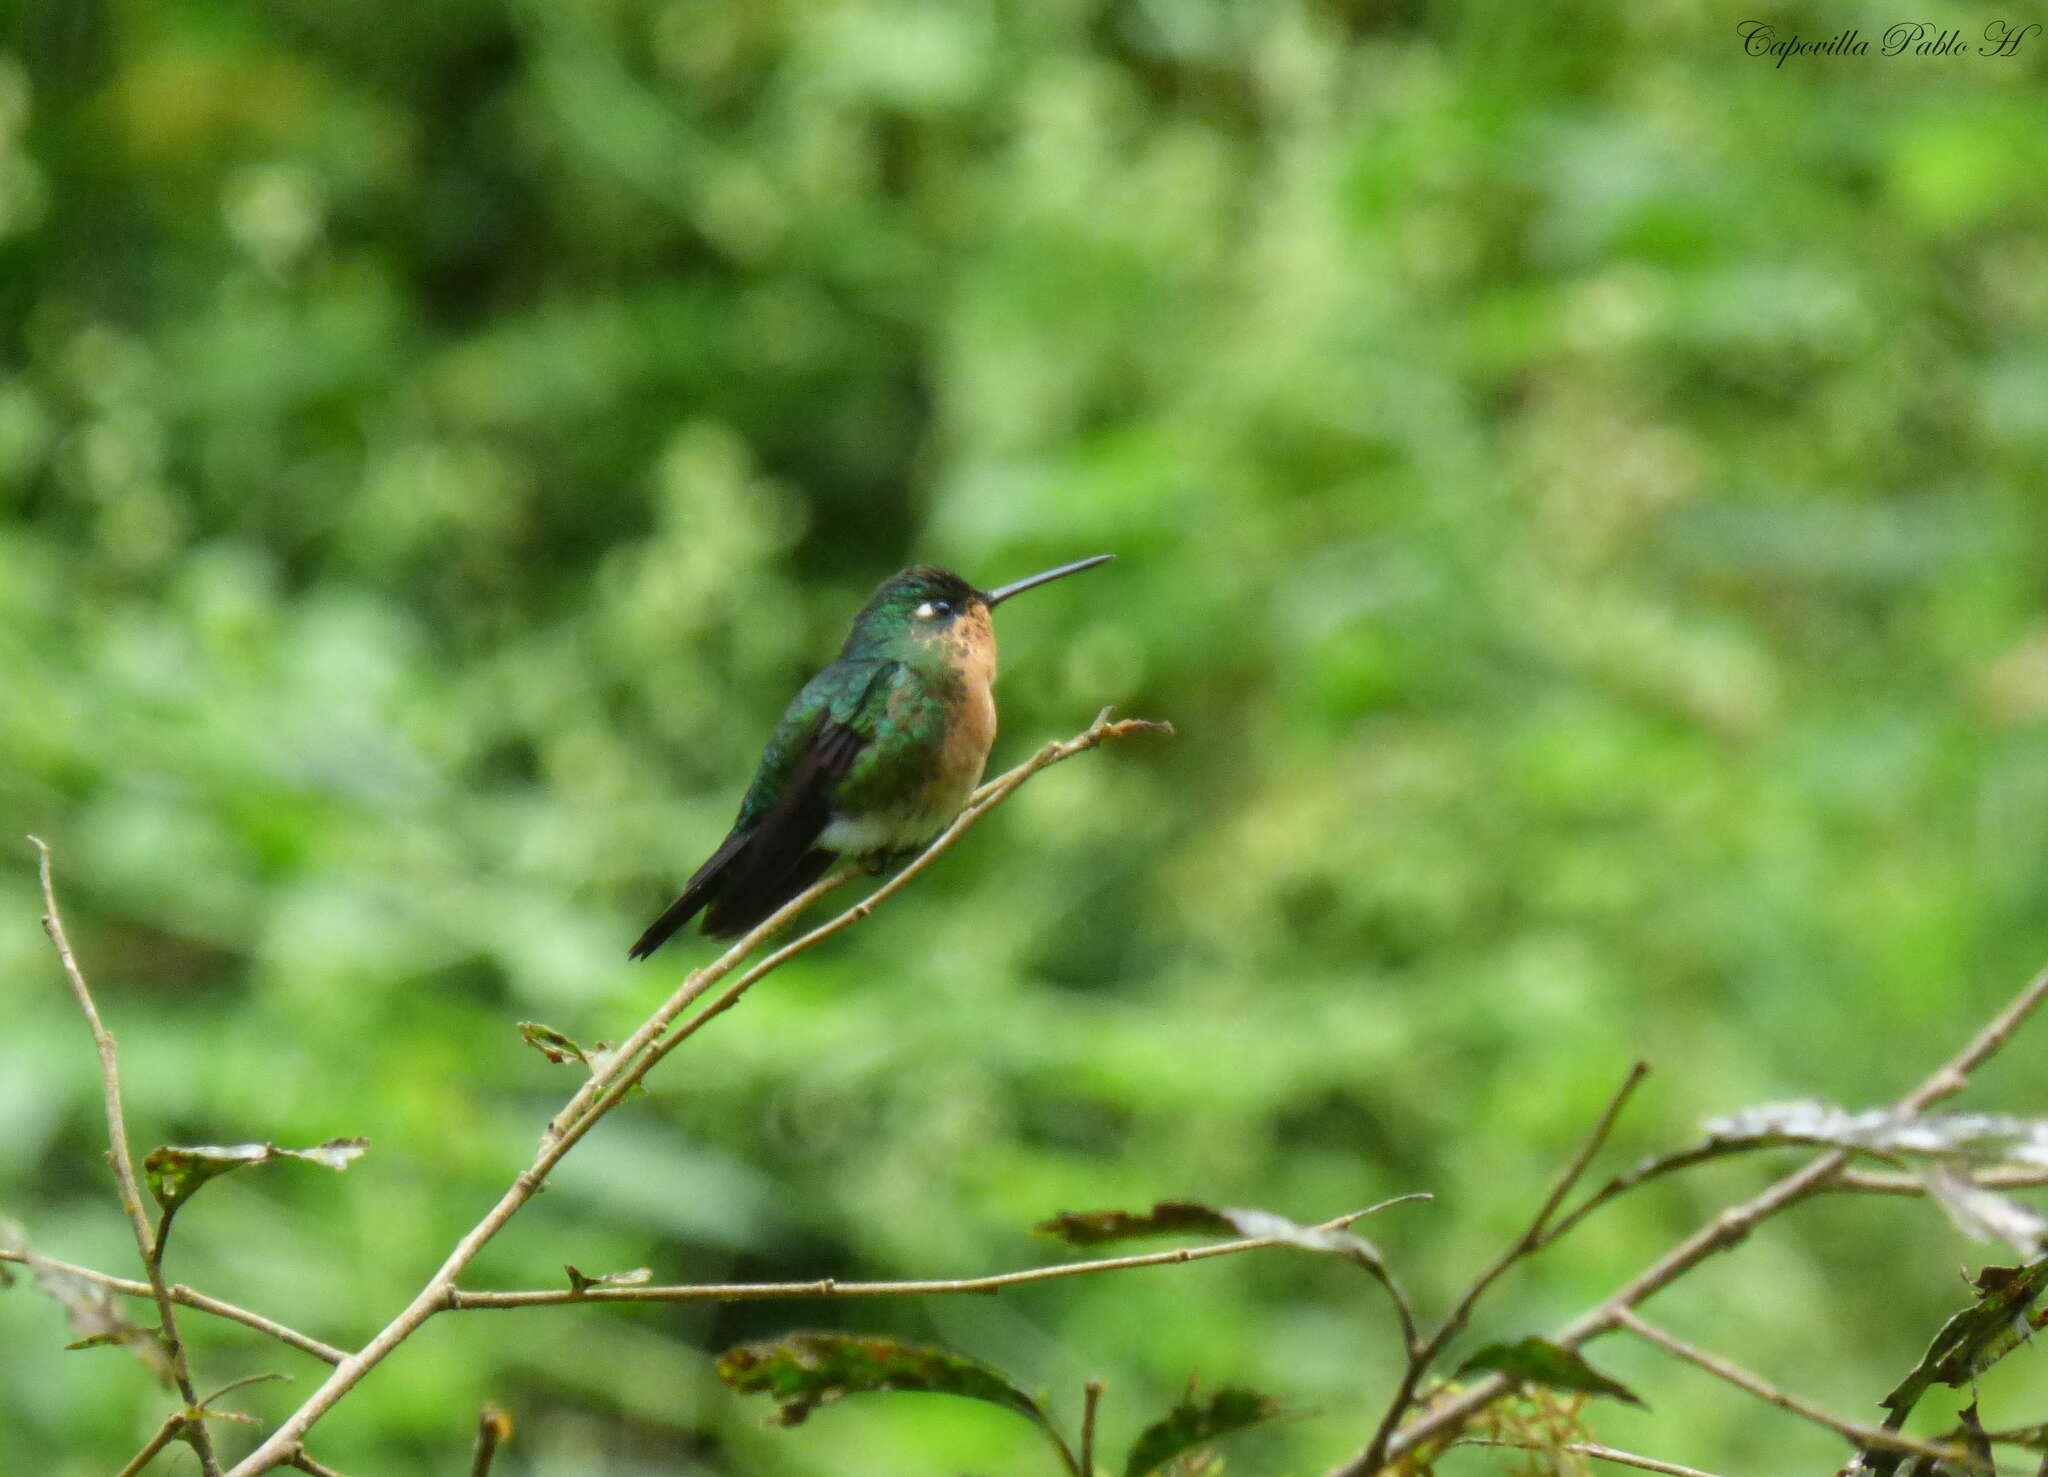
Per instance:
x=679, y=912
x=696, y=893
x=745, y=901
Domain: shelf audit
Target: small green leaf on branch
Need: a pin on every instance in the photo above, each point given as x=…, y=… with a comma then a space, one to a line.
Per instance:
x=1194, y=1423
x=552, y=1044
x=105, y=1338
x=580, y=1281
x=237, y=1417
x=175, y=1174
x=1538, y=1361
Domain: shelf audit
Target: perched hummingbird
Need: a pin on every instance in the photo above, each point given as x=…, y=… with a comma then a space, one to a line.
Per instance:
x=873, y=758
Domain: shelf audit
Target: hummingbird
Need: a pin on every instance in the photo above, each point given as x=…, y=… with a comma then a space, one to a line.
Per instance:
x=873, y=758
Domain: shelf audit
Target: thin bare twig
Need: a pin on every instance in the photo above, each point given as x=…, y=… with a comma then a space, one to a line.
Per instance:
x=1598, y=1453
x=1091, y=1396
x=1881, y=1182
x=620, y=1073
x=300, y=1458
x=1718, y=1234
x=186, y=1297
x=1576, y=1170
x=118, y=1155
x=1643, y=1173
x=433, y=1297
x=693, y=986
x=1862, y=1436
x=827, y=1287
x=248, y=1379
x=493, y=1428
x=169, y=1431
x=1525, y=1245
x=1856, y=1181
x=1411, y=1333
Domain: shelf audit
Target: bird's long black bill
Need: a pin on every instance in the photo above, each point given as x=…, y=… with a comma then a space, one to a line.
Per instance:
x=997, y=597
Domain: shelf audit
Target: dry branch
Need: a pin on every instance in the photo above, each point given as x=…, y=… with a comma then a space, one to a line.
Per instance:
x=827, y=1287
x=1723, y=1231
x=1596, y=1452
x=169, y=1431
x=1884, y=1182
x=1422, y=1355
x=1091, y=1398
x=302, y=1460
x=493, y=1429
x=630, y=1064
x=615, y=1075
x=147, y=1243
x=1864, y=1436
x=187, y=1298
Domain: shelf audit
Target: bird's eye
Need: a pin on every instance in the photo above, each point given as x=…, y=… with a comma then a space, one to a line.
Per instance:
x=932, y=610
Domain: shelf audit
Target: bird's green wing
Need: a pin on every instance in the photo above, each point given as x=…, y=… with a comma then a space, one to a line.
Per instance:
x=769, y=857
x=817, y=738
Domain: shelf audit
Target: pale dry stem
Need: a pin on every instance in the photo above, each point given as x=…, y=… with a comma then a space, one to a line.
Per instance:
x=1723, y=1231
x=1864, y=1436
x=827, y=1287
x=1422, y=1356
x=1594, y=1451
x=185, y=1297
x=625, y=1068
x=187, y=1425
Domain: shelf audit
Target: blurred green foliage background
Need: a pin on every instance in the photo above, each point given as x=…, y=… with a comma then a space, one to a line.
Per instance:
x=1579, y=496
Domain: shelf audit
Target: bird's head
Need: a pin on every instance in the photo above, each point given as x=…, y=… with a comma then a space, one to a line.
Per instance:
x=926, y=608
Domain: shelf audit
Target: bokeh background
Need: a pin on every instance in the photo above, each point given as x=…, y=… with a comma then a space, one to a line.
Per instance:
x=1579, y=495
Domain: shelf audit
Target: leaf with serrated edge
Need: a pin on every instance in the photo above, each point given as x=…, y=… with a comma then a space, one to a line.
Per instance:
x=1969, y=1434
x=803, y=1371
x=1976, y=1338
x=175, y=1173
x=1538, y=1361
x=1167, y=1218
x=1194, y=1423
x=580, y=1280
x=1183, y=1217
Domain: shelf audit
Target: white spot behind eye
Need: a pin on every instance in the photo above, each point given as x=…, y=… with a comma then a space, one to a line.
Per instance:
x=931, y=610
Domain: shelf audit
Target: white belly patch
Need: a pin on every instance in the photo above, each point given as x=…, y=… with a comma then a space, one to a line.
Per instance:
x=888, y=831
